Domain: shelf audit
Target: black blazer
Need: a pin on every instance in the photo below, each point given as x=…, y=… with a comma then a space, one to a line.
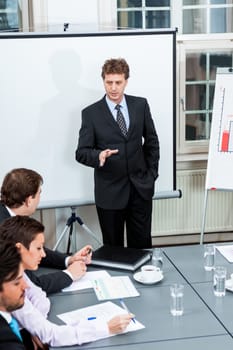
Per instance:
x=137, y=159
x=8, y=339
x=52, y=282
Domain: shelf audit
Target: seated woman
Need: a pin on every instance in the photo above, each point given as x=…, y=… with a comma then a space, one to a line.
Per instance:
x=28, y=236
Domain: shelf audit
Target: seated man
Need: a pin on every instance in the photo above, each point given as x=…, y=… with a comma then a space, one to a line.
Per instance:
x=20, y=195
x=12, y=294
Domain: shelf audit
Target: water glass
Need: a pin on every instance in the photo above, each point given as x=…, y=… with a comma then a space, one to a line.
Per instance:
x=157, y=258
x=209, y=257
x=220, y=273
x=176, y=296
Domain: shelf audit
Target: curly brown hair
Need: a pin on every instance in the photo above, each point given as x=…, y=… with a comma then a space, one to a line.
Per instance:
x=115, y=66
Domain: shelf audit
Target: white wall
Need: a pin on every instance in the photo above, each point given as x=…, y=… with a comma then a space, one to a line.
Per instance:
x=82, y=15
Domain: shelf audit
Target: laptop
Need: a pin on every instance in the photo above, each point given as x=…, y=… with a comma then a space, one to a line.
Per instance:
x=120, y=257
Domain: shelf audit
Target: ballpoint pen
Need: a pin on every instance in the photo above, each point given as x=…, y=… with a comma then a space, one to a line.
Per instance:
x=91, y=318
x=88, y=255
x=126, y=309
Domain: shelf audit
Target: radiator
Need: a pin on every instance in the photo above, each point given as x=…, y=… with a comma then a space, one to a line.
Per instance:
x=184, y=215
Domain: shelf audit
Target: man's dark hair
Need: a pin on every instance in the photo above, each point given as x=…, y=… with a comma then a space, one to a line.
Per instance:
x=10, y=259
x=115, y=66
x=18, y=185
x=20, y=229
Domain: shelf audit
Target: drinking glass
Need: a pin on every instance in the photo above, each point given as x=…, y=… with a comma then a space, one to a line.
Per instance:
x=176, y=296
x=157, y=258
x=220, y=273
x=209, y=257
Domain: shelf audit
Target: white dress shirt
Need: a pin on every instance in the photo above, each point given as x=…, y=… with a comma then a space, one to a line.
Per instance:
x=124, y=109
x=6, y=315
x=33, y=317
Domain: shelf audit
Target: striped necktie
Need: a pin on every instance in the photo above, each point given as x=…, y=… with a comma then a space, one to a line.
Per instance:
x=121, y=120
x=15, y=328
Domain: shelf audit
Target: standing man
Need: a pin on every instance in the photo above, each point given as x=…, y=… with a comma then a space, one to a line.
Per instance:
x=12, y=294
x=118, y=139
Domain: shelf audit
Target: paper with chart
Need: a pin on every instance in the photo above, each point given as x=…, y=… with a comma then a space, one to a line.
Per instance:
x=86, y=280
x=220, y=157
x=114, y=288
x=103, y=312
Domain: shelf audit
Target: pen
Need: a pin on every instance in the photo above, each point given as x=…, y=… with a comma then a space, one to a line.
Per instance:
x=91, y=318
x=87, y=255
x=126, y=309
x=89, y=251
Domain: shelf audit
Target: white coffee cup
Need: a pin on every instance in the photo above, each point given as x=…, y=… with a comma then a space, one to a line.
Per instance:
x=149, y=273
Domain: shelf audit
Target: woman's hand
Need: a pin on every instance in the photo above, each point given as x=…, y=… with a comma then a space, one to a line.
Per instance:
x=119, y=323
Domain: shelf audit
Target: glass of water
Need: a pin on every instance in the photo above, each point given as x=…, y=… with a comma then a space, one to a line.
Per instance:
x=157, y=258
x=220, y=273
x=176, y=296
x=209, y=257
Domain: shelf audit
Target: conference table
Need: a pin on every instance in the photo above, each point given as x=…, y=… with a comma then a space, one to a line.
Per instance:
x=207, y=320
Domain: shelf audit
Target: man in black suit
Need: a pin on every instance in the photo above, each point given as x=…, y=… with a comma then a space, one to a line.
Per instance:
x=125, y=158
x=20, y=195
x=12, y=292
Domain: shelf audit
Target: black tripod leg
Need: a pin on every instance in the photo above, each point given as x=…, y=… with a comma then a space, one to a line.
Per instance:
x=69, y=239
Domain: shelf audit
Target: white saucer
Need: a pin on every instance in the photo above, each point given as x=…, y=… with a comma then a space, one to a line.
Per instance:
x=229, y=285
x=138, y=277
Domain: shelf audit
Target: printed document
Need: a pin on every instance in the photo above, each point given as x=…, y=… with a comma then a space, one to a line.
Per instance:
x=86, y=280
x=116, y=287
x=104, y=311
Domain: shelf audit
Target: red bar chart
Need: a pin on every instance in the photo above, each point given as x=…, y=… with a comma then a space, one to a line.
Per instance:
x=225, y=141
x=227, y=136
x=225, y=115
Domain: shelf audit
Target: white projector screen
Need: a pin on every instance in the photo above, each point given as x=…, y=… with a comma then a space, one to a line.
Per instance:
x=45, y=82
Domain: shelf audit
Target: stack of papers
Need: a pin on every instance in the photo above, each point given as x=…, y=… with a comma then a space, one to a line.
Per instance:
x=105, y=286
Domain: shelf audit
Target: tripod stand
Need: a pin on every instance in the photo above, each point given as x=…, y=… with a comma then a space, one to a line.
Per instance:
x=70, y=225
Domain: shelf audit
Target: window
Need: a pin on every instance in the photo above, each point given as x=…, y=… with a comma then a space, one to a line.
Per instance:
x=189, y=16
x=10, y=15
x=207, y=16
x=200, y=80
x=145, y=14
x=196, y=89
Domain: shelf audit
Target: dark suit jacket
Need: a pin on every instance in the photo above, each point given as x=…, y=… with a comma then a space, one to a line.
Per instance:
x=137, y=159
x=51, y=282
x=8, y=340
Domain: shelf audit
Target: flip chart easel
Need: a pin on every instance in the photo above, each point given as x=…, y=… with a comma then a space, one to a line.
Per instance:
x=219, y=175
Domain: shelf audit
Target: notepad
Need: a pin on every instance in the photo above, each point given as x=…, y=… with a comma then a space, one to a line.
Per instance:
x=120, y=257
